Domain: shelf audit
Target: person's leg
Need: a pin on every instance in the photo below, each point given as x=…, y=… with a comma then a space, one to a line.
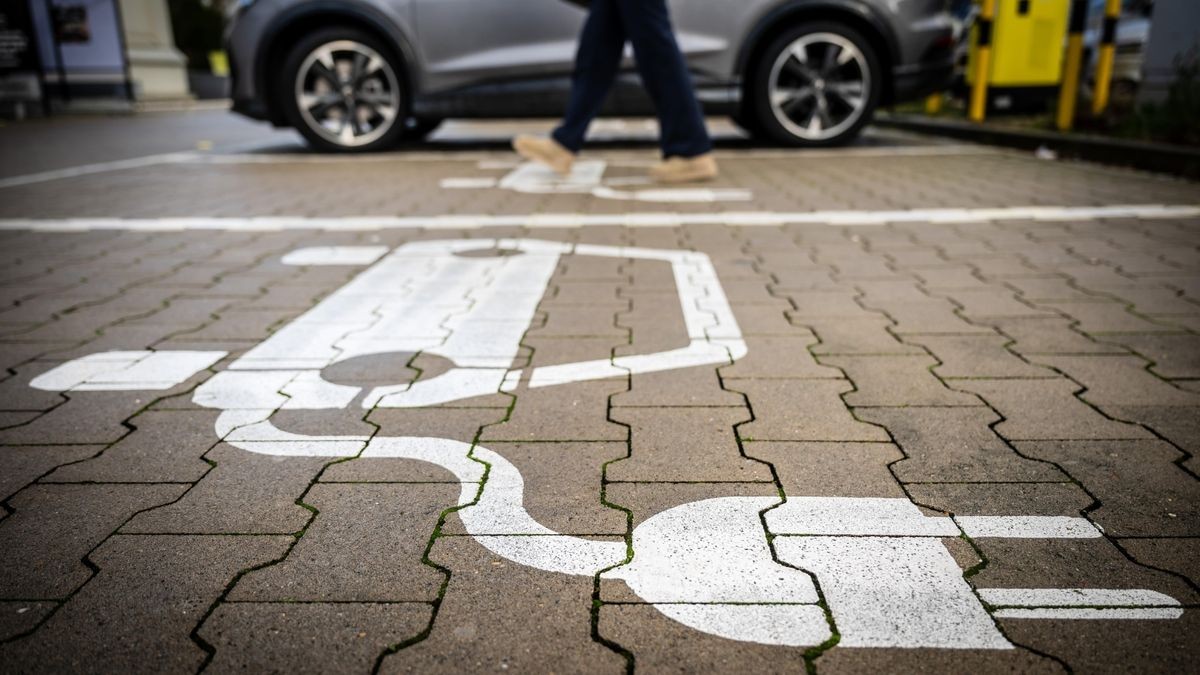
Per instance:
x=597, y=64
x=665, y=75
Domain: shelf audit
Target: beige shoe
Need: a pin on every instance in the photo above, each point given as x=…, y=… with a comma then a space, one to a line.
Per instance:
x=685, y=170
x=545, y=151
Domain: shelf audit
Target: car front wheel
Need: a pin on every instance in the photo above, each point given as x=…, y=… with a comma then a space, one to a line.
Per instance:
x=817, y=85
x=342, y=91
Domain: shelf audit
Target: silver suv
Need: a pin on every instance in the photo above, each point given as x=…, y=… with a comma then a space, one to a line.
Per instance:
x=366, y=74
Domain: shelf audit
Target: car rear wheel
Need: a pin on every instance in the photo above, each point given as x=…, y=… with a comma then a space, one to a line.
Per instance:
x=817, y=85
x=342, y=91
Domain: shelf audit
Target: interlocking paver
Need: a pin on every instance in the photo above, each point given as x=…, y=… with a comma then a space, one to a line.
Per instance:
x=779, y=357
x=42, y=545
x=897, y=381
x=1174, y=554
x=308, y=637
x=977, y=356
x=555, y=414
x=832, y=469
x=954, y=444
x=1172, y=355
x=802, y=410
x=1096, y=646
x=562, y=486
x=22, y=464
x=164, y=447
x=19, y=617
x=498, y=615
x=245, y=493
x=1051, y=336
x=684, y=444
x=1119, y=381
x=364, y=545
x=1047, y=410
x=147, y=597
x=1117, y=473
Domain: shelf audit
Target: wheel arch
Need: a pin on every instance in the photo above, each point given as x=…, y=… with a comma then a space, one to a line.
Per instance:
x=289, y=26
x=854, y=13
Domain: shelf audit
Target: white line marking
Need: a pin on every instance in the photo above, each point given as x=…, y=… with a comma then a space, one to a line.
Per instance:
x=1091, y=613
x=99, y=167
x=126, y=371
x=335, y=255
x=578, y=220
x=1075, y=597
x=1028, y=527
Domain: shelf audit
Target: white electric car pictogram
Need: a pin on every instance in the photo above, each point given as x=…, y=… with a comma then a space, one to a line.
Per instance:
x=888, y=579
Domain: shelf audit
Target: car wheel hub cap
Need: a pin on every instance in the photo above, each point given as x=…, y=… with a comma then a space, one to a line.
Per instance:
x=819, y=86
x=347, y=93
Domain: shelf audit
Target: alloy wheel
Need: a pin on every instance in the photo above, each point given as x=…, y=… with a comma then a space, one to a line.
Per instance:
x=347, y=93
x=819, y=86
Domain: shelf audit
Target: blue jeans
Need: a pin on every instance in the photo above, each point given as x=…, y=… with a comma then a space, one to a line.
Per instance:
x=647, y=25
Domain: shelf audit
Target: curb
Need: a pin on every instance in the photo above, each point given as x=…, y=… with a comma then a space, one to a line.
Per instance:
x=1156, y=157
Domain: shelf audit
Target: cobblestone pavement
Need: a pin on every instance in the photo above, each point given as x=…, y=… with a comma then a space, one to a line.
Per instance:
x=907, y=406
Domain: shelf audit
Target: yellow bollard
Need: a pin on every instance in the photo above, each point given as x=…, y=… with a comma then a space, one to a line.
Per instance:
x=933, y=104
x=1071, y=74
x=983, y=60
x=1106, y=57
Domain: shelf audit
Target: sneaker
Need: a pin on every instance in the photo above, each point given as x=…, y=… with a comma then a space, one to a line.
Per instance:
x=685, y=169
x=545, y=151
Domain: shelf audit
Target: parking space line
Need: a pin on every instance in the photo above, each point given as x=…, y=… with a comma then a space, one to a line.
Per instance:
x=645, y=219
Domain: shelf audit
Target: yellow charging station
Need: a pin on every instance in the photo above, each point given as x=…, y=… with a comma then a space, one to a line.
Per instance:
x=1026, y=51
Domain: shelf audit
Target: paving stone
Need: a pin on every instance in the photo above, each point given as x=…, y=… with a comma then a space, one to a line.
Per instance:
x=927, y=316
x=896, y=381
x=460, y=424
x=1048, y=289
x=857, y=336
x=17, y=395
x=802, y=410
x=19, y=617
x=977, y=356
x=832, y=469
x=661, y=645
x=164, y=447
x=147, y=597
x=22, y=464
x=779, y=357
x=251, y=324
x=980, y=304
x=1070, y=563
x=365, y=545
x=1118, y=473
x=245, y=493
x=699, y=386
x=851, y=660
x=765, y=319
x=498, y=615
x=684, y=444
x=1119, y=381
x=1180, y=426
x=1051, y=336
x=1002, y=499
x=1156, y=302
x=556, y=351
x=42, y=544
x=839, y=304
x=1099, y=646
x=1176, y=554
x=576, y=412
x=956, y=277
x=308, y=637
x=571, y=321
x=1100, y=318
x=1173, y=355
x=1047, y=410
x=954, y=444
x=562, y=487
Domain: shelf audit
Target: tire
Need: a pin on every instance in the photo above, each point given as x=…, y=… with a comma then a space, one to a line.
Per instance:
x=365, y=77
x=847, y=88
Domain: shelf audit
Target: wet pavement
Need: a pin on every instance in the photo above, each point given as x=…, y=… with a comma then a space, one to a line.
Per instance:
x=910, y=405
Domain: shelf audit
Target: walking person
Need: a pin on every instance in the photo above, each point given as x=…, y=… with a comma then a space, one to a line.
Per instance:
x=686, y=146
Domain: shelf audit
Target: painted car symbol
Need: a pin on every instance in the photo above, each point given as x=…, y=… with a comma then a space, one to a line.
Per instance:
x=887, y=577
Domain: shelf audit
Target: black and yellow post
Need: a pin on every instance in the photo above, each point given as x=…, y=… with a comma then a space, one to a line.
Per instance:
x=1073, y=68
x=1106, y=57
x=984, y=29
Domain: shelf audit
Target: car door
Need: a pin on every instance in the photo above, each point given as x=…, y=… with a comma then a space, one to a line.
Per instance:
x=465, y=42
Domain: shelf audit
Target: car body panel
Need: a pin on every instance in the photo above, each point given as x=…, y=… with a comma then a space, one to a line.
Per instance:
x=489, y=58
